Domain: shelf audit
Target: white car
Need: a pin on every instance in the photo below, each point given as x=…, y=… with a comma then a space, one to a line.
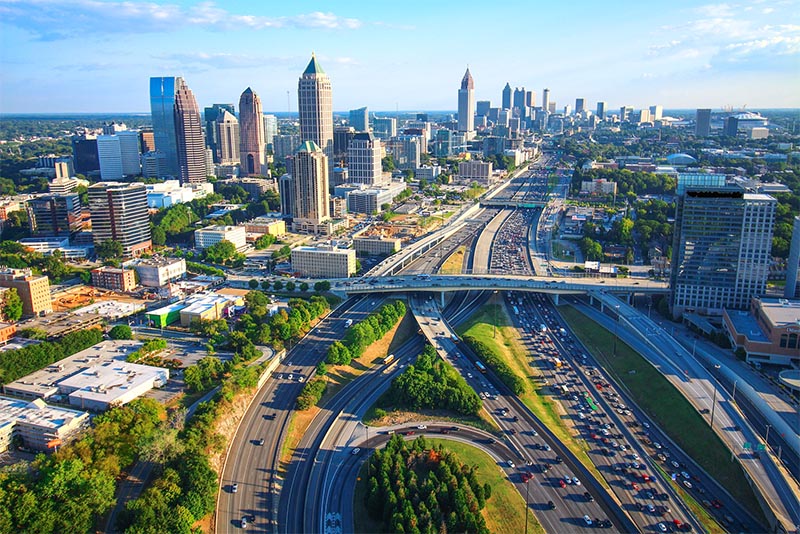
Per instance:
x=587, y=520
x=510, y=464
x=576, y=481
x=422, y=427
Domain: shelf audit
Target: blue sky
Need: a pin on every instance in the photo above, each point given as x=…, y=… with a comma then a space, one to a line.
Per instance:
x=97, y=56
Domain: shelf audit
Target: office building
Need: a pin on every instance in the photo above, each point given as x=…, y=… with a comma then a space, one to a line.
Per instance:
x=205, y=237
x=162, y=108
x=226, y=138
x=147, y=141
x=625, y=113
x=368, y=200
x=376, y=245
x=170, y=192
x=119, y=213
x=324, y=262
x=530, y=99
x=113, y=278
x=384, y=127
x=359, y=119
x=482, y=108
x=475, y=171
x=37, y=426
x=311, y=196
x=158, y=271
x=759, y=133
x=110, y=157
x=266, y=226
x=286, y=193
x=698, y=180
x=466, y=104
x=285, y=145
x=84, y=154
x=62, y=185
x=33, y=290
x=154, y=164
x=641, y=116
x=601, y=110
x=518, y=102
x=255, y=187
x=406, y=151
x=703, y=123
x=443, y=143
x=721, y=249
x=130, y=152
x=656, y=112
x=251, y=134
x=211, y=115
x=56, y=215
x=792, y=288
x=270, y=129
x=731, y=126
x=506, y=97
x=546, y=99
x=580, y=105
x=364, y=160
x=64, y=168
x=315, y=107
x=768, y=332
x=191, y=149
x=342, y=135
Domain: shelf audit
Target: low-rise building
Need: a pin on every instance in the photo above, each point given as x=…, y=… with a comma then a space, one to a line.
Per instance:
x=599, y=186
x=205, y=237
x=369, y=200
x=48, y=245
x=39, y=426
x=158, y=271
x=206, y=307
x=34, y=290
x=255, y=187
x=171, y=192
x=161, y=317
x=113, y=278
x=376, y=245
x=7, y=331
x=324, y=262
x=60, y=324
x=769, y=332
x=266, y=225
x=475, y=171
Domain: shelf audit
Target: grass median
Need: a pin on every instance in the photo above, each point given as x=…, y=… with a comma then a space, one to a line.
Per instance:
x=505, y=342
x=666, y=405
x=454, y=264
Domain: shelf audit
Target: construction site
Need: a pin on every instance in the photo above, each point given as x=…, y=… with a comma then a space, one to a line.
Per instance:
x=82, y=295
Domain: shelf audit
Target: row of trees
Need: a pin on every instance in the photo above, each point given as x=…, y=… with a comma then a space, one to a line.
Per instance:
x=70, y=489
x=365, y=333
x=17, y=363
x=413, y=488
x=17, y=256
x=278, y=329
x=628, y=182
x=503, y=371
x=431, y=383
x=312, y=392
x=203, y=374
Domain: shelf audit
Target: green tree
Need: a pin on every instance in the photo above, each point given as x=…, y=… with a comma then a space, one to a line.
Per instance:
x=121, y=331
x=159, y=236
x=253, y=283
x=278, y=285
x=322, y=285
x=12, y=305
x=290, y=286
x=303, y=286
x=109, y=249
x=265, y=285
x=220, y=252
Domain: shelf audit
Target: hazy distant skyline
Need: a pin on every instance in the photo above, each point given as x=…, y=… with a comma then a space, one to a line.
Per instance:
x=98, y=56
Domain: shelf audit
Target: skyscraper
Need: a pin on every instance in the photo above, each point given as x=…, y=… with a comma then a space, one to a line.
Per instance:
x=364, y=160
x=188, y=136
x=110, y=156
x=342, y=136
x=210, y=114
x=84, y=153
x=483, y=107
x=731, y=126
x=162, y=108
x=546, y=99
x=270, y=130
x=721, y=249
x=792, y=288
x=656, y=112
x=384, y=127
x=315, y=106
x=601, y=110
x=119, y=213
x=518, y=102
x=251, y=133
x=359, y=119
x=703, y=123
x=466, y=104
x=56, y=215
x=530, y=99
x=580, y=105
x=507, y=96
x=226, y=135
x=311, y=197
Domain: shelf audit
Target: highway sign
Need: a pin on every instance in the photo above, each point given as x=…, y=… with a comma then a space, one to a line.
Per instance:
x=760, y=447
x=747, y=445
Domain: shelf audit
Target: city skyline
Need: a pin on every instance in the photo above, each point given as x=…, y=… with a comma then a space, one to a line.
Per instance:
x=677, y=54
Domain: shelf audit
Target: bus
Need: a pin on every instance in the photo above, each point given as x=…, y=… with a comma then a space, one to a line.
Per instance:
x=389, y=359
x=480, y=367
x=348, y=323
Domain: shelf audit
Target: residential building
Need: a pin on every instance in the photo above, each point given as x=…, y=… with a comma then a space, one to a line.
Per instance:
x=324, y=262
x=443, y=143
x=191, y=149
x=226, y=138
x=759, y=133
x=56, y=215
x=769, y=332
x=113, y=278
x=703, y=123
x=731, y=127
x=792, y=288
x=158, y=271
x=162, y=108
x=406, y=151
x=285, y=145
x=33, y=290
x=376, y=245
x=315, y=108
x=251, y=130
x=364, y=160
x=359, y=119
x=40, y=427
x=599, y=186
x=205, y=237
x=721, y=249
x=466, y=104
x=311, y=195
x=119, y=213
x=270, y=130
x=384, y=127
x=475, y=171
x=211, y=115
x=286, y=192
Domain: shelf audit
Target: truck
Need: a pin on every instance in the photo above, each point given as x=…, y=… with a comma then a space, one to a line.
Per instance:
x=389, y=359
x=348, y=323
x=557, y=362
x=543, y=328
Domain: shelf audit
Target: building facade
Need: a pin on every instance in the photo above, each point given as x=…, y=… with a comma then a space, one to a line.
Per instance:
x=162, y=109
x=33, y=290
x=315, y=108
x=211, y=115
x=324, y=262
x=376, y=245
x=311, y=196
x=359, y=119
x=113, y=278
x=384, y=127
x=792, y=288
x=56, y=215
x=205, y=237
x=703, y=123
x=251, y=129
x=473, y=170
x=191, y=145
x=364, y=160
x=769, y=332
x=466, y=104
x=159, y=271
x=226, y=138
x=119, y=213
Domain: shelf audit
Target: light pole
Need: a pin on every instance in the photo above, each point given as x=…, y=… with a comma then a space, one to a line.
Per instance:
x=527, y=489
x=766, y=438
x=713, y=407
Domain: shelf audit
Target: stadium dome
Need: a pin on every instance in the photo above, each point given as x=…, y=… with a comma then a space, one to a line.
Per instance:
x=680, y=159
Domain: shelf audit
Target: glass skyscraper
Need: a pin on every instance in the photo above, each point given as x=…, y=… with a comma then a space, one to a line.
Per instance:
x=162, y=108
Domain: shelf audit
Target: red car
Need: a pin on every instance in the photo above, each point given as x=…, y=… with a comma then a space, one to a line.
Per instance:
x=635, y=486
x=562, y=483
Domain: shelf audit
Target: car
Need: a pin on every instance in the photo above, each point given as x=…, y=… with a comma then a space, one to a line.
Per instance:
x=355, y=451
x=301, y=379
x=408, y=433
x=260, y=441
x=244, y=522
x=687, y=484
x=551, y=505
x=562, y=483
x=422, y=427
x=547, y=447
x=510, y=464
x=651, y=508
x=234, y=487
x=290, y=376
x=576, y=481
x=588, y=496
x=454, y=429
x=587, y=520
x=558, y=459
x=662, y=527
x=675, y=464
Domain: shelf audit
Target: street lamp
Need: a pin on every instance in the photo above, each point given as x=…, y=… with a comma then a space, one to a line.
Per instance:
x=527, y=489
x=766, y=438
x=713, y=407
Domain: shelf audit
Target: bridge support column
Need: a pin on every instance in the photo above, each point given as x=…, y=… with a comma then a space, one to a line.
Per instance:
x=591, y=300
x=442, y=298
x=630, y=298
x=555, y=299
x=602, y=307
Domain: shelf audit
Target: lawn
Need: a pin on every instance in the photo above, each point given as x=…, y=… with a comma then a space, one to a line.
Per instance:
x=455, y=262
x=506, y=343
x=665, y=404
x=504, y=511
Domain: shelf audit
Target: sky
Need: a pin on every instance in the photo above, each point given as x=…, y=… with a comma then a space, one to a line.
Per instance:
x=96, y=56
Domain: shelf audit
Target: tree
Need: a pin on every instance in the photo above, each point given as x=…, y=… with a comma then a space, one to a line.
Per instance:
x=265, y=241
x=253, y=283
x=265, y=285
x=12, y=305
x=322, y=285
x=303, y=286
x=159, y=236
x=109, y=249
x=121, y=331
x=278, y=285
x=290, y=286
x=220, y=252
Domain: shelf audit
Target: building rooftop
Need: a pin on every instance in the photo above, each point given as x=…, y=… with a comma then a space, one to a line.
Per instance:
x=746, y=324
x=308, y=146
x=313, y=66
x=157, y=261
x=331, y=250
x=36, y=413
x=166, y=310
x=103, y=381
x=782, y=313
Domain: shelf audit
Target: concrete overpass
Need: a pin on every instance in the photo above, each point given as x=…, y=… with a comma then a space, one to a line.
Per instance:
x=510, y=203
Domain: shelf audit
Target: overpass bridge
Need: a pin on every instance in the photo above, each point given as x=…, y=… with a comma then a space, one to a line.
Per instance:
x=510, y=203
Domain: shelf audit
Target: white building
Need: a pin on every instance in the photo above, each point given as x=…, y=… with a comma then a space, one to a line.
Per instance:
x=130, y=152
x=477, y=171
x=171, y=192
x=364, y=160
x=324, y=262
x=159, y=271
x=212, y=235
x=109, y=154
x=41, y=427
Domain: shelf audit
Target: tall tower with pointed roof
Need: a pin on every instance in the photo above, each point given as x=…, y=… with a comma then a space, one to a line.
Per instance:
x=507, y=96
x=311, y=197
x=466, y=104
x=190, y=142
x=251, y=133
x=315, y=106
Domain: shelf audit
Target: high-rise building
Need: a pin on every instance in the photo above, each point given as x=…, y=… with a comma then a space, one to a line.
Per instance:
x=792, y=288
x=546, y=99
x=601, y=110
x=315, y=106
x=162, y=108
x=56, y=215
x=518, y=102
x=147, y=141
x=285, y=145
x=130, y=152
x=406, y=151
x=359, y=119
x=530, y=99
x=119, y=213
x=251, y=134
x=731, y=127
x=270, y=129
x=226, y=138
x=466, y=104
x=33, y=290
x=364, y=160
x=507, y=96
x=580, y=105
x=191, y=147
x=483, y=107
x=625, y=113
x=84, y=154
x=110, y=156
x=311, y=196
x=384, y=127
x=342, y=135
x=211, y=114
x=286, y=192
x=443, y=143
x=703, y=123
x=721, y=249
x=656, y=112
